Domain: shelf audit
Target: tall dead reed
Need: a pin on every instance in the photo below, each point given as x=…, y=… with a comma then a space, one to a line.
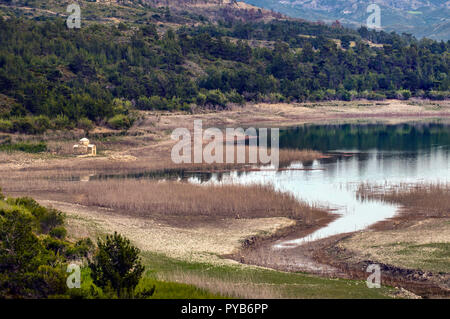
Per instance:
x=428, y=199
x=247, y=288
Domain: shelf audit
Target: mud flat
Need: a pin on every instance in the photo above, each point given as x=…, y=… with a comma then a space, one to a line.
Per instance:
x=244, y=237
x=412, y=248
x=200, y=244
x=147, y=144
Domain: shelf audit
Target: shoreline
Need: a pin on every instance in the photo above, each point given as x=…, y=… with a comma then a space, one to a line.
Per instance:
x=324, y=258
x=149, y=152
x=345, y=262
x=148, y=144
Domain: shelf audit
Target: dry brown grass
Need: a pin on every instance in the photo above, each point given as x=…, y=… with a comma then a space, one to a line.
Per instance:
x=171, y=200
x=190, y=242
x=246, y=289
x=152, y=158
x=417, y=246
x=181, y=199
x=288, y=156
x=430, y=200
x=417, y=238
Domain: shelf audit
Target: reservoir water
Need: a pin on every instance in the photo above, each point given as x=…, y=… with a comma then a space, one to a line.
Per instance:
x=374, y=153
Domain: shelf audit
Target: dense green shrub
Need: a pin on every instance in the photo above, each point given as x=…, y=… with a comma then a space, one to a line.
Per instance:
x=57, y=246
x=438, y=95
x=41, y=123
x=6, y=126
x=24, y=260
x=120, y=122
x=234, y=97
x=80, y=249
x=24, y=125
x=200, y=99
x=344, y=95
x=403, y=94
x=215, y=98
x=62, y=122
x=117, y=265
x=152, y=103
x=318, y=95
x=85, y=124
x=34, y=256
x=58, y=232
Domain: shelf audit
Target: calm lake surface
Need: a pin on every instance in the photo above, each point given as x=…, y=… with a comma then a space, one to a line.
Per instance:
x=373, y=153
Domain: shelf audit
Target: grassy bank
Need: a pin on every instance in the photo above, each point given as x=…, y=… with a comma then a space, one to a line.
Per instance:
x=251, y=282
x=172, y=278
x=416, y=239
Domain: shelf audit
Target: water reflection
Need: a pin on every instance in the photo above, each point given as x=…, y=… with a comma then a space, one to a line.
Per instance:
x=363, y=137
x=361, y=153
x=372, y=153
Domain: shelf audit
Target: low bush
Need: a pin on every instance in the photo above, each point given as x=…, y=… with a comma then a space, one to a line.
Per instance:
x=438, y=95
x=6, y=126
x=120, y=122
x=403, y=94
x=24, y=147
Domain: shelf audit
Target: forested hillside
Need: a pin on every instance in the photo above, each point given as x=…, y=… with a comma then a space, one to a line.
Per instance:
x=52, y=77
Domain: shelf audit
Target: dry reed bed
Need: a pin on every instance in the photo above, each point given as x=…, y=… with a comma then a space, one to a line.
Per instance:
x=425, y=199
x=149, y=159
x=159, y=165
x=170, y=200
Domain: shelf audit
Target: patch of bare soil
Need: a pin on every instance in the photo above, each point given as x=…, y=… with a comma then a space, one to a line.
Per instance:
x=146, y=147
x=260, y=251
x=423, y=283
x=412, y=248
x=149, y=139
x=202, y=244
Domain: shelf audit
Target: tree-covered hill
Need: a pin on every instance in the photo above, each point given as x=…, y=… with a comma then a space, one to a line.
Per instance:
x=52, y=77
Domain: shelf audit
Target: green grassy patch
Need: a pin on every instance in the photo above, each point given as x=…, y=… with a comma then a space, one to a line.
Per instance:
x=163, y=289
x=288, y=285
x=176, y=290
x=24, y=147
x=429, y=257
x=396, y=244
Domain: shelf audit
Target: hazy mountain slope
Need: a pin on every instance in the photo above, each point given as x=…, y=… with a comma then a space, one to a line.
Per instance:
x=422, y=18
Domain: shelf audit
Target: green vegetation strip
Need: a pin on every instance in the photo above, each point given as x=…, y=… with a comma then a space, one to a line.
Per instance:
x=24, y=147
x=286, y=285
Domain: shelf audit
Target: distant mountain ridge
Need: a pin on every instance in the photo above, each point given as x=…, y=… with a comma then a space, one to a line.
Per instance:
x=422, y=18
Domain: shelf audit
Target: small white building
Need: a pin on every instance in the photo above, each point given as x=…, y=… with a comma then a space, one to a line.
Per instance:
x=84, y=148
